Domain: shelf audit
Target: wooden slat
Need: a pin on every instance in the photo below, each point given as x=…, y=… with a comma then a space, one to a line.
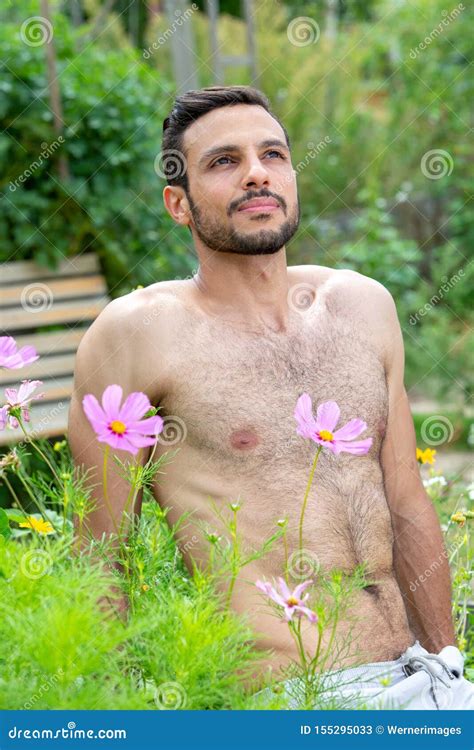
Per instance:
x=47, y=420
x=60, y=312
x=29, y=294
x=29, y=270
x=52, y=343
x=54, y=366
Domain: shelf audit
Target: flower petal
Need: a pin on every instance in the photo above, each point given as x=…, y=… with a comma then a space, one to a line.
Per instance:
x=150, y=426
x=300, y=588
x=111, y=399
x=284, y=588
x=118, y=442
x=135, y=406
x=312, y=616
x=94, y=412
x=327, y=415
x=351, y=430
x=358, y=447
x=304, y=416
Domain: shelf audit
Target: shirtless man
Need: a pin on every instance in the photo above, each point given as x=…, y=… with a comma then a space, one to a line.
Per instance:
x=227, y=354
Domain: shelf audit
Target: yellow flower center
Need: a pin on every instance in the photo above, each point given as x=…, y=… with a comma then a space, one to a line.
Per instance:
x=326, y=435
x=118, y=427
x=291, y=601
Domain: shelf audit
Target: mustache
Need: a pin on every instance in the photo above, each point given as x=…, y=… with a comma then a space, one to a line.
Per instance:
x=265, y=194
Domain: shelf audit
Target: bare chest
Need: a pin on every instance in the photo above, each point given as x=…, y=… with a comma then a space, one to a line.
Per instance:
x=236, y=392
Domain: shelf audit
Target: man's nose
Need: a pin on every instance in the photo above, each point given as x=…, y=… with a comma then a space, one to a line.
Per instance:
x=256, y=174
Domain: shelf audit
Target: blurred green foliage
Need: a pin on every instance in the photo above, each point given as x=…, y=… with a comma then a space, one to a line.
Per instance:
x=113, y=110
x=392, y=86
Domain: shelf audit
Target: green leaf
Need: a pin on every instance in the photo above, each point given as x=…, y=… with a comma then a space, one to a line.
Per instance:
x=5, y=530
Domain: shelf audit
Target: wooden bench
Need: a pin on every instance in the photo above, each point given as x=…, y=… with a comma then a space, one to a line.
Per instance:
x=34, y=303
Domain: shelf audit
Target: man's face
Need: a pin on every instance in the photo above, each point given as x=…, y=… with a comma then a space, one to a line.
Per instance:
x=235, y=154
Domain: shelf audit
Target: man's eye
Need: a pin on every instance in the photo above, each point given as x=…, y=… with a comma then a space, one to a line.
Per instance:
x=228, y=157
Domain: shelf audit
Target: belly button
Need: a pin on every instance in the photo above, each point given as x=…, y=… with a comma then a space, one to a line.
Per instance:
x=244, y=439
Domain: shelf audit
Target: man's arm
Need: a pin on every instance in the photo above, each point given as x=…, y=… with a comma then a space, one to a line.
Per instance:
x=107, y=355
x=420, y=558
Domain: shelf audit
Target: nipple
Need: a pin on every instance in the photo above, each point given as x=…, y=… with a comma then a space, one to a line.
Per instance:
x=244, y=439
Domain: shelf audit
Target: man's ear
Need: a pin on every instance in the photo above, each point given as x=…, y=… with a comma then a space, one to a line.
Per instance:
x=176, y=203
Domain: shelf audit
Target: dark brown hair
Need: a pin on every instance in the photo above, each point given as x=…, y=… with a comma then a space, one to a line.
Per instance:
x=187, y=109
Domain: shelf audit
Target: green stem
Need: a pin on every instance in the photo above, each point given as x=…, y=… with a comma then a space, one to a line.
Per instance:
x=285, y=544
x=38, y=450
x=36, y=502
x=14, y=495
x=105, y=488
x=305, y=500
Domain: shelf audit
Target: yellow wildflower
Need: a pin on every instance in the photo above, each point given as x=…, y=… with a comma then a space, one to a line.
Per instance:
x=145, y=587
x=37, y=524
x=385, y=681
x=459, y=518
x=425, y=457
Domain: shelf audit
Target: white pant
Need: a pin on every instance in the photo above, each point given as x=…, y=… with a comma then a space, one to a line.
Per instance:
x=416, y=680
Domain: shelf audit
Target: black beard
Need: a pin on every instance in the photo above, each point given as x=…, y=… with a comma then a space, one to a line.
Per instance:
x=224, y=239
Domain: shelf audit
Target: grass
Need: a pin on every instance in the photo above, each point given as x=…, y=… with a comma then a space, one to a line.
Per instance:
x=181, y=647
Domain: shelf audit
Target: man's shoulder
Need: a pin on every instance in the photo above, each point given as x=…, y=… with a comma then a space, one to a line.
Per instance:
x=135, y=313
x=355, y=287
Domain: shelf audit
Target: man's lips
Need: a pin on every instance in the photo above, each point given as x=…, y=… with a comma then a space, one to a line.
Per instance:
x=260, y=204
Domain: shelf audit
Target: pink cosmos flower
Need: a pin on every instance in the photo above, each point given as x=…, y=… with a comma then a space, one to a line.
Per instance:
x=122, y=427
x=321, y=429
x=14, y=358
x=290, y=601
x=18, y=402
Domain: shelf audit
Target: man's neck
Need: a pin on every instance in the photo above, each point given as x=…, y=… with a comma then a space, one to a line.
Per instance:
x=247, y=289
